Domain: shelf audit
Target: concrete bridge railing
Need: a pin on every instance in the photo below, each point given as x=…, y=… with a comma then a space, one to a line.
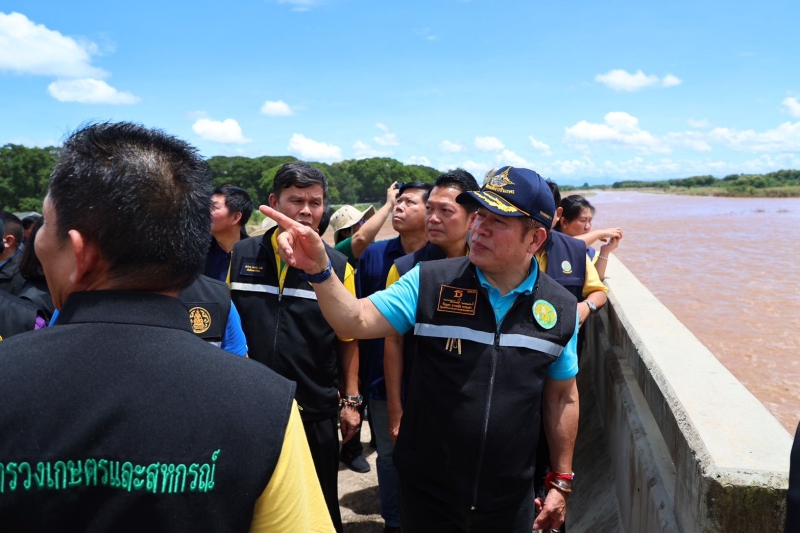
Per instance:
x=668, y=435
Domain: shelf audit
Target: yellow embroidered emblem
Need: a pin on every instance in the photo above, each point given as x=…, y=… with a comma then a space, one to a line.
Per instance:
x=494, y=201
x=566, y=267
x=500, y=181
x=1, y=337
x=200, y=319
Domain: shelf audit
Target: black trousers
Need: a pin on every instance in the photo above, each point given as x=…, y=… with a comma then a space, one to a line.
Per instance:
x=323, y=441
x=422, y=513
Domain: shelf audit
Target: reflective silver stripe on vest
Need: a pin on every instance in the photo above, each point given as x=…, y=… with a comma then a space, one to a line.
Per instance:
x=300, y=293
x=271, y=289
x=511, y=340
x=453, y=332
x=217, y=344
x=523, y=341
x=254, y=287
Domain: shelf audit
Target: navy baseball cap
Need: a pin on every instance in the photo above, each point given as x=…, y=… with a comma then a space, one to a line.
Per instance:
x=515, y=192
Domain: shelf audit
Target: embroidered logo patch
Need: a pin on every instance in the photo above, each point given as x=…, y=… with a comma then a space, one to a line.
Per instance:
x=545, y=314
x=253, y=268
x=499, y=182
x=200, y=319
x=566, y=267
x=456, y=300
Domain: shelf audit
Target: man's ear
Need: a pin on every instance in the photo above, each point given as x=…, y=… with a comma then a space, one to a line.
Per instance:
x=236, y=218
x=535, y=239
x=10, y=241
x=273, y=201
x=87, y=258
x=557, y=218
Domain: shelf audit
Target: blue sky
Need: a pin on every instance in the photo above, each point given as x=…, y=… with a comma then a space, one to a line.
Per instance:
x=579, y=91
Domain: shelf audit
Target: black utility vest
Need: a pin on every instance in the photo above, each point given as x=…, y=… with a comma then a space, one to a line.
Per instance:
x=16, y=315
x=472, y=416
x=286, y=330
x=209, y=304
x=138, y=425
x=429, y=252
x=37, y=293
x=566, y=262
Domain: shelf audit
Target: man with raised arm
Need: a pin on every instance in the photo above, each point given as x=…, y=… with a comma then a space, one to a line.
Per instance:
x=119, y=418
x=495, y=340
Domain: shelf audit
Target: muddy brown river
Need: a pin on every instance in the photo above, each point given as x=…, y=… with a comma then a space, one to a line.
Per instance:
x=725, y=268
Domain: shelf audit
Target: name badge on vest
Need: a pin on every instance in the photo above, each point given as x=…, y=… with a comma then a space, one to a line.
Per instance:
x=256, y=269
x=205, y=319
x=456, y=300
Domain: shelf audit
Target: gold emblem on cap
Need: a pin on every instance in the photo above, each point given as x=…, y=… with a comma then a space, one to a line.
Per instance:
x=200, y=319
x=499, y=182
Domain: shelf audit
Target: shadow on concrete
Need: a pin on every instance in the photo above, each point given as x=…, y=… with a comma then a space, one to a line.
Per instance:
x=364, y=527
x=362, y=502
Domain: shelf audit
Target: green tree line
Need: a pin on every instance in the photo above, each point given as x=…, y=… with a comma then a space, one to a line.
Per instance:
x=732, y=185
x=24, y=174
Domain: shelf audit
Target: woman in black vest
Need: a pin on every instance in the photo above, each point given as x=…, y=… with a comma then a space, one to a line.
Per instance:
x=576, y=221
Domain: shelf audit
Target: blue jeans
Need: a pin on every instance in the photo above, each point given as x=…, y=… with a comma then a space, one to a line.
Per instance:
x=387, y=475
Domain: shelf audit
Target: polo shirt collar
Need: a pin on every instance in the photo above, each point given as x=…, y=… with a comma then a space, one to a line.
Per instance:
x=125, y=307
x=526, y=287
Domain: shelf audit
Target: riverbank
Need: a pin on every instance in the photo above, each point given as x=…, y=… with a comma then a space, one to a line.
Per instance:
x=720, y=192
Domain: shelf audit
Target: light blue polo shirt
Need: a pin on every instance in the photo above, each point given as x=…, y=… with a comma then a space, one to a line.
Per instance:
x=398, y=303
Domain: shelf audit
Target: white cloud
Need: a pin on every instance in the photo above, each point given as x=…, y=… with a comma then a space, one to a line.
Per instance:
x=622, y=80
x=540, y=147
x=450, y=147
x=388, y=138
x=477, y=169
x=489, y=144
x=418, y=160
x=312, y=150
x=364, y=151
x=693, y=140
x=507, y=157
x=671, y=81
x=792, y=106
x=702, y=123
x=89, y=91
x=620, y=129
x=227, y=131
x=278, y=108
x=783, y=139
x=29, y=48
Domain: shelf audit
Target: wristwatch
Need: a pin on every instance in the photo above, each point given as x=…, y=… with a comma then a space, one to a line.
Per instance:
x=319, y=277
x=592, y=307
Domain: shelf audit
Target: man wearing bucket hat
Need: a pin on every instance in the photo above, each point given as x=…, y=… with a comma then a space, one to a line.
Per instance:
x=496, y=340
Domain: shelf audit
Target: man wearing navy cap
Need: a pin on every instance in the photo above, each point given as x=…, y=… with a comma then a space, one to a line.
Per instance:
x=495, y=341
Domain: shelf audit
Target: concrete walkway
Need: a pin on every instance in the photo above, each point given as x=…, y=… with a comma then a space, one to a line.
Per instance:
x=358, y=494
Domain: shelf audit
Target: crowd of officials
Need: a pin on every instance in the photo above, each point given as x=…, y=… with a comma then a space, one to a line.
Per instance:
x=164, y=371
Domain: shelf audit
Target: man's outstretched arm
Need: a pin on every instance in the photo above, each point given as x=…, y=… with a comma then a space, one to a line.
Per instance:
x=301, y=247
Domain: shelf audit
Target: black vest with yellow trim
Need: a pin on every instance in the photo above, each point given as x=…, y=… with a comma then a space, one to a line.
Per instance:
x=209, y=305
x=471, y=421
x=286, y=330
x=566, y=262
x=16, y=315
x=139, y=425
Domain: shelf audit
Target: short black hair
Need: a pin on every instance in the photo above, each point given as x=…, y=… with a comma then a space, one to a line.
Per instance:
x=555, y=190
x=421, y=185
x=143, y=197
x=458, y=179
x=29, y=265
x=29, y=221
x=301, y=175
x=237, y=201
x=13, y=226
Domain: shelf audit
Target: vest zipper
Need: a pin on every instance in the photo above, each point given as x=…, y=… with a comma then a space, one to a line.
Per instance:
x=277, y=322
x=489, y=393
